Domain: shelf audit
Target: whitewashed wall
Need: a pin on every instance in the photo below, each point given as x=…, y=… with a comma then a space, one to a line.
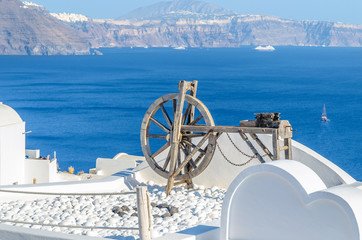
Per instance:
x=12, y=153
x=42, y=170
x=122, y=161
x=221, y=173
x=286, y=200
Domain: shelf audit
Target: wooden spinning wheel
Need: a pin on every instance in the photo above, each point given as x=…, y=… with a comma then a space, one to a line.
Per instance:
x=174, y=153
x=178, y=136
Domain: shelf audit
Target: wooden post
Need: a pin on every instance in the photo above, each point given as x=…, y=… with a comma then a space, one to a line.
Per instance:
x=191, y=118
x=276, y=145
x=143, y=208
x=175, y=135
x=288, y=152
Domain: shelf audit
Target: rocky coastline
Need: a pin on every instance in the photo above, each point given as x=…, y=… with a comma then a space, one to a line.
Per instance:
x=30, y=29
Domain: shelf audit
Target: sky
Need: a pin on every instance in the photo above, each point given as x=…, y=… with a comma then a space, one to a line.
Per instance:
x=347, y=11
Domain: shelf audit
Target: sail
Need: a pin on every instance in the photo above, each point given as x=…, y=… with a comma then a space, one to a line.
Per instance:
x=324, y=113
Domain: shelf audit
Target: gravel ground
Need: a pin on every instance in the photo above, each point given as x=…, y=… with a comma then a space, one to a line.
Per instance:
x=181, y=210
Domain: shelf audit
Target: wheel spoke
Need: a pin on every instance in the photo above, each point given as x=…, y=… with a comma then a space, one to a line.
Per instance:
x=163, y=148
x=163, y=127
x=194, y=146
x=193, y=164
x=167, y=161
x=196, y=120
x=184, y=149
x=201, y=155
x=160, y=136
x=187, y=113
x=169, y=122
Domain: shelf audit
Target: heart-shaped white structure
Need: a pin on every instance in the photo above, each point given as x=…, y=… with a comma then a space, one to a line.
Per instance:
x=287, y=200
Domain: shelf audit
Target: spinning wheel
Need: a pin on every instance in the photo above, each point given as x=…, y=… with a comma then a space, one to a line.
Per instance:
x=178, y=135
x=172, y=152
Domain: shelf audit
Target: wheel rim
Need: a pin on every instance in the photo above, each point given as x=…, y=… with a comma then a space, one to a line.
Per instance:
x=156, y=131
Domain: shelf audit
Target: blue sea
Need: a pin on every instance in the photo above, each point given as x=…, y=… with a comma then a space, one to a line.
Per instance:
x=85, y=107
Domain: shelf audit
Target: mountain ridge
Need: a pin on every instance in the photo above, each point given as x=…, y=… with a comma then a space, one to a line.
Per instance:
x=29, y=30
x=177, y=7
x=173, y=26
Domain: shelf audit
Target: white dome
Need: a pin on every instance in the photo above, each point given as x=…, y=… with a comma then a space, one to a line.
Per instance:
x=8, y=115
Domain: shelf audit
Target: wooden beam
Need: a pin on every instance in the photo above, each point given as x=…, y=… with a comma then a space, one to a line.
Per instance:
x=229, y=129
x=175, y=136
x=186, y=151
x=189, y=157
x=248, y=123
x=193, y=135
x=194, y=146
x=288, y=152
x=144, y=210
x=276, y=144
x=261, y=144
x=193, y=93
x=283, y=148
x=246, y=139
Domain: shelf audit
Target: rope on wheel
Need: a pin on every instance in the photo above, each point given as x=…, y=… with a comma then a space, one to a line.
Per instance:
x=251, y=157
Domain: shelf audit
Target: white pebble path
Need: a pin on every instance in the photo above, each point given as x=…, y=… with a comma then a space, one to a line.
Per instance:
x=196, y=206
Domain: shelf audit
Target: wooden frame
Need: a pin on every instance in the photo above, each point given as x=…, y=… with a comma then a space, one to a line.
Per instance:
x=191, y=144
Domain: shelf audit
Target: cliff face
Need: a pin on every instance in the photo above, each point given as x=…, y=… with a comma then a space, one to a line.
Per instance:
x=192, y=23
x=231, y=31
x=31, y=30
x=176, y=9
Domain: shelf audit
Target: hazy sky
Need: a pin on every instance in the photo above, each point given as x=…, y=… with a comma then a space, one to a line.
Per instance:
x=347, y=11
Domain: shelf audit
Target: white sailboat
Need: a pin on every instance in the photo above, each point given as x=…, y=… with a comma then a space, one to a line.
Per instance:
x=324, y=114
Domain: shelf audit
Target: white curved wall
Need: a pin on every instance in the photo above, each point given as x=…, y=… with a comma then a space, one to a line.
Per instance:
x=8, y=115
x=286, y=200
x=221, y=173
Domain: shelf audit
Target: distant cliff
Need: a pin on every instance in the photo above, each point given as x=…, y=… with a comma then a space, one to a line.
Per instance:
x=177, y=9
x=191, y=23
x=26, y=28
x=29, y=29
